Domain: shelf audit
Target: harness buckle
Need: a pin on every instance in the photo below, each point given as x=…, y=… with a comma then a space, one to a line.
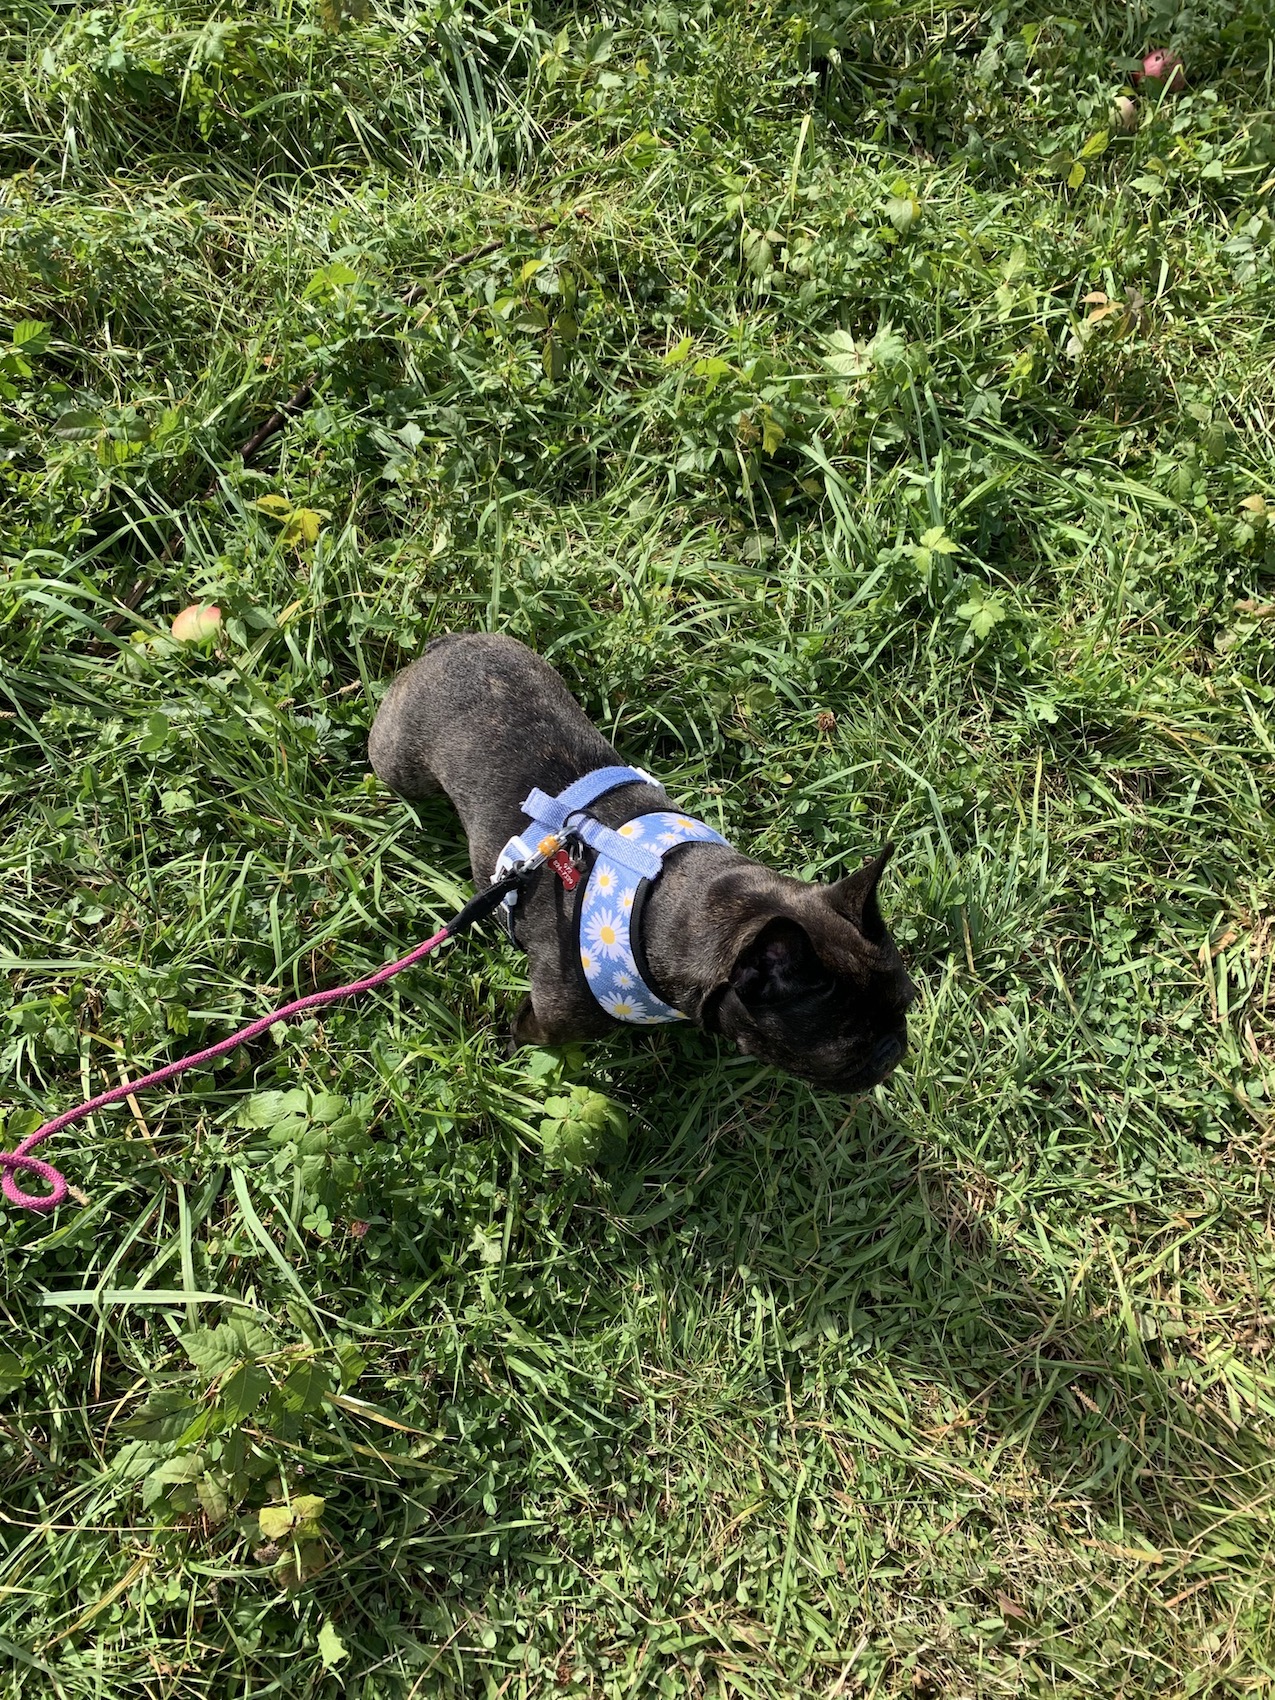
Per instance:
x=548, y=850
x=507, y=906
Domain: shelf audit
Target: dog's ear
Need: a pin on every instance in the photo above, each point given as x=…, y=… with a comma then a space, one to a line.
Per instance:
x=779, y=964
x=855, y=897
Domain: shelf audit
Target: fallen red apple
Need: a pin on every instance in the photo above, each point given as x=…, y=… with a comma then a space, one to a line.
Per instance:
x=1162, y=66
x=198, y=623
x=1125, y=113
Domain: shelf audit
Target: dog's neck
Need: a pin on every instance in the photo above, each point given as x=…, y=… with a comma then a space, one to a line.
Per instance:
x=688, y=967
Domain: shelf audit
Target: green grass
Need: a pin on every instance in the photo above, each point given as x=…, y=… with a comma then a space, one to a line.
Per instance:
x=751, y=364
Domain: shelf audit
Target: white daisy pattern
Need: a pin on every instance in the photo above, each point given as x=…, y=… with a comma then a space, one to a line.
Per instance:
x=607, y=902
x=601, y=929
x=606, y=915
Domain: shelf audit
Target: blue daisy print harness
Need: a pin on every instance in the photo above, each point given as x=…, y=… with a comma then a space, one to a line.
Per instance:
x=626, y=861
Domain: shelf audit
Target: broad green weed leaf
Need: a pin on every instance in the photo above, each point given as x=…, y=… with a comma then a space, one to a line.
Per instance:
x=300, y=1519
x=251, y=1335
x=276, y=1522
x=598, y=50
x=308, y=1509
x=328, y=279
x=155, y=736
x=77, y=424
x=541, y=1065
x=845, y=356
x=487, y=1243
x=712, y=368
x=887, y=347
x=167, y=1414
x=351, y=1363
x=31, y=335
x=937, y=539
x=305, y=1387
x=554, y=360
x=853, y=359
x=568, y=1144
x=242, y=1391
x=327, y=1106
x=13, y=1373
x=984, y=613
x=580, y=1127
x=331, y=1647
x=213, y=1499
x=213, y=1350
x=279, y=1110
x=175, y=1471
x=19, y=1123
x=303, y=526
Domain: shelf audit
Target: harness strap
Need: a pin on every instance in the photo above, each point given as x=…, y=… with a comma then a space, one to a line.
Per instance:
x=549, y=813
x=581, y=792
x=607, y=912
x=610, y=918
x=564, y=813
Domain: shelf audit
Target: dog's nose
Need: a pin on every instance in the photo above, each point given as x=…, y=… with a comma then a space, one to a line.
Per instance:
x=887, y=1052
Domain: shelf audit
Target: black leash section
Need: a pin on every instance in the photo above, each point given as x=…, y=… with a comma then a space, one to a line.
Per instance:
x=483, y=903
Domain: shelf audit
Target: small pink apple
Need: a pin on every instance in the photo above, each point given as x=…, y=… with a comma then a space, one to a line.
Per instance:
x=198, y=623
x=1162, y=67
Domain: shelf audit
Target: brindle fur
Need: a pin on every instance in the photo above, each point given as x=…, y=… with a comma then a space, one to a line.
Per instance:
x=803, y=976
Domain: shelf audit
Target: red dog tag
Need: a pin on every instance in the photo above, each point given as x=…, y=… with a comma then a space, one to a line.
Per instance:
x=565, y=869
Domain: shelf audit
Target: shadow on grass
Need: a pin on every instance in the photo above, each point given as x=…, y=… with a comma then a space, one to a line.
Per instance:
x=799, y=1384
x=1105, y=1369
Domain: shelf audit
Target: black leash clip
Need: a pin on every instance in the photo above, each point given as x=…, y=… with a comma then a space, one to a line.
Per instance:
x=506, y=889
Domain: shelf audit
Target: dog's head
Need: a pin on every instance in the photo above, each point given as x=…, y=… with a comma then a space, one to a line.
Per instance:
x=816, y=984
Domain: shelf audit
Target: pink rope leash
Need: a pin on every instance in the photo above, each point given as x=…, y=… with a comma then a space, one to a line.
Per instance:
x=483, y=903
x=20, y=1157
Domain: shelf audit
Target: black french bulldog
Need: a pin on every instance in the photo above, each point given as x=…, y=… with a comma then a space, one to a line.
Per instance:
x=803, y=976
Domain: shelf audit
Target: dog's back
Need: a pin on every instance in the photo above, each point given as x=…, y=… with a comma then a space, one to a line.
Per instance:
x=483, y=718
